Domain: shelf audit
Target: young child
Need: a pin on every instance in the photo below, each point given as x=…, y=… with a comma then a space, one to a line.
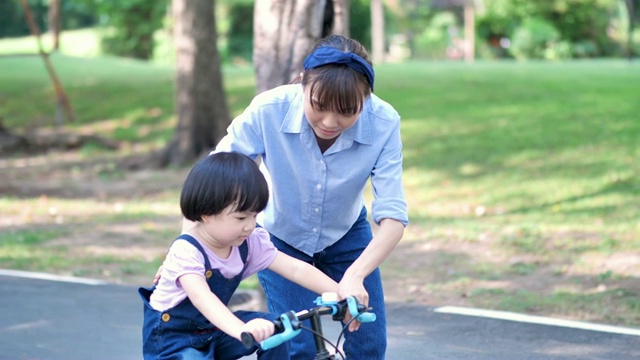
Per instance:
x=186, y=314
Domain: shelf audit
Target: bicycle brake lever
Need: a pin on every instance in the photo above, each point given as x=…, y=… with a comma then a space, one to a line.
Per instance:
x=289, y=321
x=363, y=317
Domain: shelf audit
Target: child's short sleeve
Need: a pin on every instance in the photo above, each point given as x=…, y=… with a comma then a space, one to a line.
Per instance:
x=262, y=252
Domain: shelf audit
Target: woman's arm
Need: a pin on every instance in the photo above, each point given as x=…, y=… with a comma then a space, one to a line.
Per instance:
x=384, y=241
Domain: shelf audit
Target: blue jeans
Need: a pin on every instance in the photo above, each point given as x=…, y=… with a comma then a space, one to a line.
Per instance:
x=370, y=341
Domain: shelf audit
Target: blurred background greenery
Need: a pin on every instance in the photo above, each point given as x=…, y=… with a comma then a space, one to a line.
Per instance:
x=415, y=29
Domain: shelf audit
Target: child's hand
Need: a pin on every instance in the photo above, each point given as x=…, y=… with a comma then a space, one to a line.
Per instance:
x=259, y=328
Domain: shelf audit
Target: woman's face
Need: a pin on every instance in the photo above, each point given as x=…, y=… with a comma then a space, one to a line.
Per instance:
x=327, y=124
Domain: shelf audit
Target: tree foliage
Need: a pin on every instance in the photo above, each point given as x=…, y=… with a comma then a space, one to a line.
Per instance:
x=77, y=14
x=564, y=28
x=132, y=24
x=633, y=13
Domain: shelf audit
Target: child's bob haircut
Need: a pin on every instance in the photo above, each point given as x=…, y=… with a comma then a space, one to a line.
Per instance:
x=221, y=180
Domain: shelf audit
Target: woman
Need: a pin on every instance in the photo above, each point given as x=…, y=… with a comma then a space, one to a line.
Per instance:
x=321, y=139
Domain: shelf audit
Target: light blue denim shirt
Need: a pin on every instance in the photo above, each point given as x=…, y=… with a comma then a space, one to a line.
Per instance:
x=316, y=197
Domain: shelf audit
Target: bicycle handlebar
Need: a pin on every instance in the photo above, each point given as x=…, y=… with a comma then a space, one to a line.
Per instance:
x=289, y=324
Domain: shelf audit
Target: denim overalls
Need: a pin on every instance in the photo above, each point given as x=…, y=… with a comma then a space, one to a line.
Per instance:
x=182, y=332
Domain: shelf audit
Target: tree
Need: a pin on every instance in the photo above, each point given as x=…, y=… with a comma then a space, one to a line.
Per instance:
x=377, y=31
x=341, y=17
x=468, y=15
x=55, y=23
x=63, y=101
x=132, y=24
x=283, y=33
x=633, y=9
x=200, y=99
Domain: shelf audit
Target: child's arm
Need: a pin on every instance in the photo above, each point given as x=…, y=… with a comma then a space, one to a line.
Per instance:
x=217, y=312
x=302, y=274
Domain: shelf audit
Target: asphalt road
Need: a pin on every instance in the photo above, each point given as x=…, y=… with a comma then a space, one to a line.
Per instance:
x=45, y=319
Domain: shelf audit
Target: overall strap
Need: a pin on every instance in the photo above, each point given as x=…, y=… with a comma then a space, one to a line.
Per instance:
x=244, y=253
x=195, y=243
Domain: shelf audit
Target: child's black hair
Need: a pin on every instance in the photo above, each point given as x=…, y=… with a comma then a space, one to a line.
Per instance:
x=221, y=180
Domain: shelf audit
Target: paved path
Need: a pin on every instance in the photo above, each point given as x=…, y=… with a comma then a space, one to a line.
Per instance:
x=43, y=319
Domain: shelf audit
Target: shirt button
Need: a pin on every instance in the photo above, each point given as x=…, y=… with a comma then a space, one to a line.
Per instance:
x=314, y=230
x=318, y=186
x=316, y=210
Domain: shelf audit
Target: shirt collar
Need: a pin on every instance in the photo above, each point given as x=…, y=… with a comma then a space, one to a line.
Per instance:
x=294, y=119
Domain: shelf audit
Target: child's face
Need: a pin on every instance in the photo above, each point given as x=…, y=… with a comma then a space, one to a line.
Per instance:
x=327, y=124
x=230, y=228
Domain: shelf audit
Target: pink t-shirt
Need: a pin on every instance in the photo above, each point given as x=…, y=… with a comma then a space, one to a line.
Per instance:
x=184, y=258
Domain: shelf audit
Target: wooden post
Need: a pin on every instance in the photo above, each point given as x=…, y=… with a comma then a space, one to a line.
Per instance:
x=341, y=17
x=60, y=94
x=469, y=33
x=377, y=31
x=632, y=22
x=55, y=23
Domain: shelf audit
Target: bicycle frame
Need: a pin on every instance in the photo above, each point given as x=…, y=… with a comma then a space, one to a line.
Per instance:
x=290, y=325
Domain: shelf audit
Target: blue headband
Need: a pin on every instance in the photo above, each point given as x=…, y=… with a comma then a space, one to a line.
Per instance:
x=327, y=55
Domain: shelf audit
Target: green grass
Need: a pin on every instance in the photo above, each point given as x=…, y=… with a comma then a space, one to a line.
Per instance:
x=79, y=43
x=100, y=89
x=548, y=144
x=537, y=162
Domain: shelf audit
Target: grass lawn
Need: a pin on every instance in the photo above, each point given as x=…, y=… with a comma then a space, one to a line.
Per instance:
x=523, y=180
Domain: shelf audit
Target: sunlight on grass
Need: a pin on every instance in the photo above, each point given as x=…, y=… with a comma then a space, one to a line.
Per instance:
x=29, y=238
x=81, y=43
x=26, y=257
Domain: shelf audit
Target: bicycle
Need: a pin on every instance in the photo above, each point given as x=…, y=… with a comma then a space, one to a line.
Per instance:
x=289, y=324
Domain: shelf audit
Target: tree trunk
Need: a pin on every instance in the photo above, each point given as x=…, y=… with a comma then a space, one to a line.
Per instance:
x=341, y=17
x=283, y=33
x=61, y=95
x=55, y=23
x=469, y=33
x=631, y=4
x=200, y=99
x=377, y=31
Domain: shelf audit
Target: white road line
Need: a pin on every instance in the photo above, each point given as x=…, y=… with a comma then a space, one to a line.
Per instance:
x=503, y=315
x=51, y=277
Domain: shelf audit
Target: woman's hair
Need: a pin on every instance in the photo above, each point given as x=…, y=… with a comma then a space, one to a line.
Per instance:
x=221, y=180
x=338, y=87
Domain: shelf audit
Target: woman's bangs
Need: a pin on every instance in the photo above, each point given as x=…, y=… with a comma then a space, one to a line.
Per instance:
x=339, y=92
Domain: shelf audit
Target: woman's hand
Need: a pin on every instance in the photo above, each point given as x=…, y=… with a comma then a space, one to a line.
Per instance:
x=352, y=286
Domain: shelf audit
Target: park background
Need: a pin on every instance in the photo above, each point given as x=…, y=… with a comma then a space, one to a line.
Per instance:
x=521, y=161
